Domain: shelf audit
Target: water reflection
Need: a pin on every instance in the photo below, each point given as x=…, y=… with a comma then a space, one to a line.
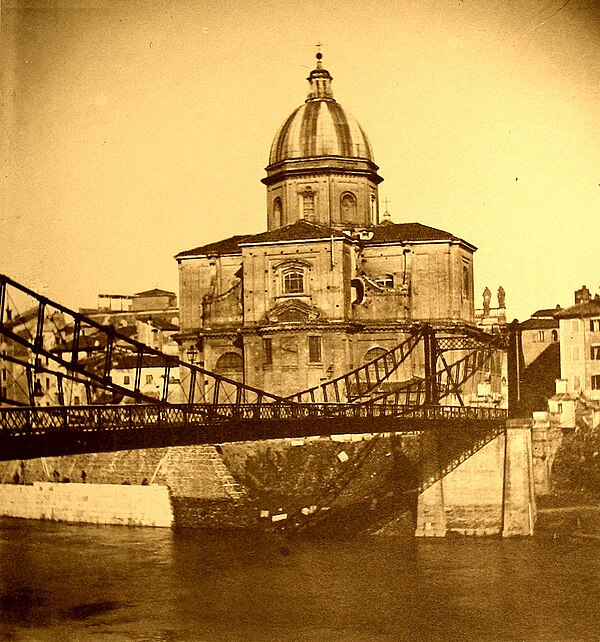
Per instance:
x=66, y=582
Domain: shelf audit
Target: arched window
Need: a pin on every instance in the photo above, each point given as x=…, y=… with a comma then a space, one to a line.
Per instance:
x=348, y=207
x=277, y=212
x=229, y=362
x=293, y=281
x=373, y=353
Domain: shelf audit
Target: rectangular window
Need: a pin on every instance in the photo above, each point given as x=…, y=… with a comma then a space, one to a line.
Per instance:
x=149, y=379
x=560, y=408
x=538, y=337
x=268, y=351
x=576, y=383
x=594, y=325
x=314, y=349
x=574, y=325
x=126, y=380
x=595, y=382
x=575, y=353
x=595, y=353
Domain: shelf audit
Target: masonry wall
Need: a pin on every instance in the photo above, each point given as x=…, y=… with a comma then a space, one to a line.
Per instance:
x=89, y=503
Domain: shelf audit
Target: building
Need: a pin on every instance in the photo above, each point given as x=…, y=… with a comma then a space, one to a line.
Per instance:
x=579, y=328
x=538, y=333
x=151, y=317
x=330, y=284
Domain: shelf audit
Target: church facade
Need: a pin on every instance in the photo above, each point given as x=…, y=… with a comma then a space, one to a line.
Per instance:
x=331, y=283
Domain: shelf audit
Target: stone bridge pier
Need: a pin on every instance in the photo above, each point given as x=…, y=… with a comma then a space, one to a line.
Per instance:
x=490, y=493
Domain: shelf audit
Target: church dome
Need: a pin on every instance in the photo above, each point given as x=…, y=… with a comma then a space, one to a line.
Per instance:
x=320, y=127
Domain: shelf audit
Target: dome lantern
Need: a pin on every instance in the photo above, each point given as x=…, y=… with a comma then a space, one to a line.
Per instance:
x=320, y=82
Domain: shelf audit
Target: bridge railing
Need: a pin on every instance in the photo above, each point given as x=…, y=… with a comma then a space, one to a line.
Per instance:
x=95, y=418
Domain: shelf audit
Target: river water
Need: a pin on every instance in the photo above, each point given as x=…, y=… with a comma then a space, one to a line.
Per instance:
x=81, y=582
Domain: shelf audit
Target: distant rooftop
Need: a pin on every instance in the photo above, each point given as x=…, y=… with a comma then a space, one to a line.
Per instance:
x=154, y=293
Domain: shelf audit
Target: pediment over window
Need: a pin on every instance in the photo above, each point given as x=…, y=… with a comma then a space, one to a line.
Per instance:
x=293, y=311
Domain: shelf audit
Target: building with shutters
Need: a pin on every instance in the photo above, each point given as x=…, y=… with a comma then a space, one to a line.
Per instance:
x=580, y=344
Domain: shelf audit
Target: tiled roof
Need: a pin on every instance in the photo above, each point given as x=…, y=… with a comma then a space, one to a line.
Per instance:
x=546, y=313
x=226, y=246
x=589, y=309
x=298, y=231
x=539, y=324
x=388, y=232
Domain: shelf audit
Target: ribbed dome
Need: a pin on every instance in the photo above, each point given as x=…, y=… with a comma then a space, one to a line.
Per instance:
x=320, y=127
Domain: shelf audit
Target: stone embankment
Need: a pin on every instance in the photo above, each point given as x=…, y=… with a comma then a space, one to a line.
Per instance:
x=354, y=484
x=570, y=505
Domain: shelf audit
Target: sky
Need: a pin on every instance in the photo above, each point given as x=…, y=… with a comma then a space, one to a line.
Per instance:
x=134, y=130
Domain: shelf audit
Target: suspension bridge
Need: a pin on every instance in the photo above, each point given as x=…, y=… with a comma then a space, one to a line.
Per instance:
x=202, y=407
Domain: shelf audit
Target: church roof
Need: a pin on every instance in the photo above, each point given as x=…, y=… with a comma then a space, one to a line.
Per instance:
x=229, y=245
x=301, y=230
x=388, y=232
x=320, y=127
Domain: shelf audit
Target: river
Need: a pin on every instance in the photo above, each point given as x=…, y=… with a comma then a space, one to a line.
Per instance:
x=61, y=582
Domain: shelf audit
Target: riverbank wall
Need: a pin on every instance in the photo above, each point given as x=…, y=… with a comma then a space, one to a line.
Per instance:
x=88, y=503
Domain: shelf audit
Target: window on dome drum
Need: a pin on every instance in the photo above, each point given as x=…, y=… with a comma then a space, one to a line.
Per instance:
x=293, y=281
x=268, y=351
x=554, y=335
x=314, y=350
x=385, y=281
x=348, y=207
x=595, y=353
x=308, y=205
x=538, y=337
x=595, y=382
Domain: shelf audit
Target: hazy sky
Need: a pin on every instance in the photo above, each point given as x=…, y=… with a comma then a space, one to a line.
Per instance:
x=134, y=130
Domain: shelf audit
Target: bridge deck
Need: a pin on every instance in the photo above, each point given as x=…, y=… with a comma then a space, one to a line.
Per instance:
x=27, y=433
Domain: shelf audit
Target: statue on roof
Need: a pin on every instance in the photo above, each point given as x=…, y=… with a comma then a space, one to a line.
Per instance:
x=487, y=297
x=501, y=297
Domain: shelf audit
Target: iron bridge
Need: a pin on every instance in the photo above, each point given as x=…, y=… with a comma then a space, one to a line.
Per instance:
x=203, y=407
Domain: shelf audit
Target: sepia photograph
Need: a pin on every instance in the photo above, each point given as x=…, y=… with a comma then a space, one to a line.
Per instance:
x=299, y=320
